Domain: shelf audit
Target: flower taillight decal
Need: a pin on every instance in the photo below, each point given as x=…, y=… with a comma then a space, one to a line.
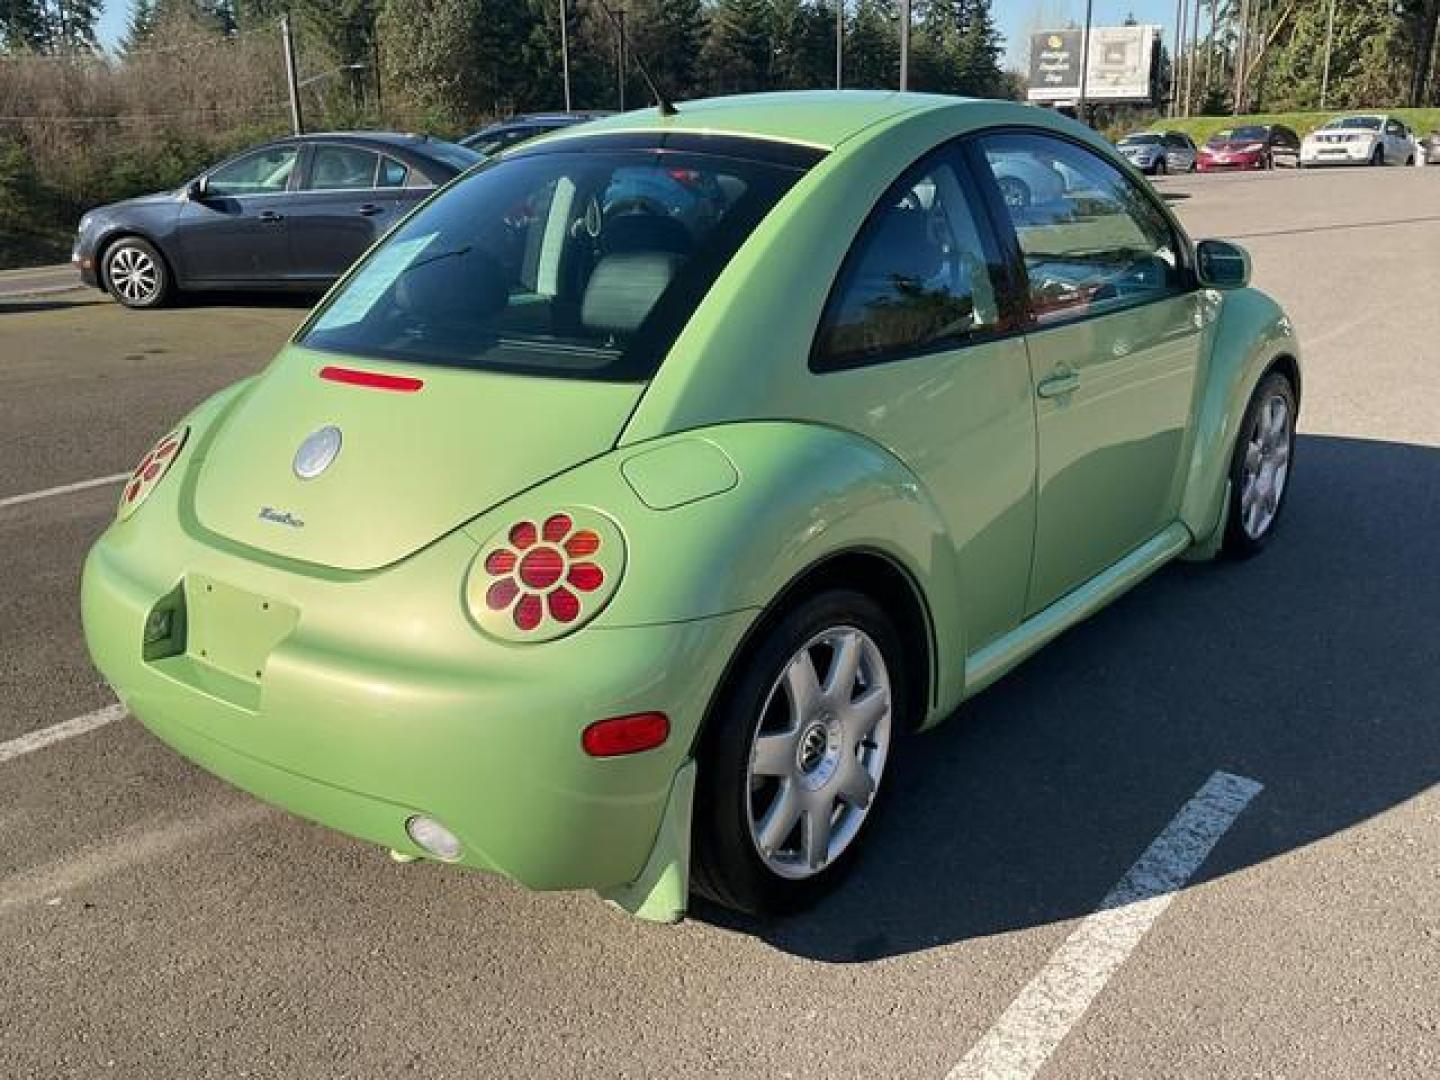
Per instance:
x=541, y=579
x=151, y=470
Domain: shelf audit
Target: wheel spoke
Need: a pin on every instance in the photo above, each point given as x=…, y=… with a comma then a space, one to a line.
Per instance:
x=816, y=833
x=855, y=786
x=774, y=755
x=865, y=712
x=843, y=668
x=780, y=819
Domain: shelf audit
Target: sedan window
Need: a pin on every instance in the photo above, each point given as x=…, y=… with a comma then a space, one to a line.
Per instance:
x=341, y=168
x=392, y=173
x=918, y=276
x=1092, y=239
x=265, y=171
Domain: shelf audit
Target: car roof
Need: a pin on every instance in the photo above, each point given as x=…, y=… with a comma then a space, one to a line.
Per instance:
x=820, y=118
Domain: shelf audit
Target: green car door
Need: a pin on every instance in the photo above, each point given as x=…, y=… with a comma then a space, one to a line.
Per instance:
x=1114, y=343
x=918, y=348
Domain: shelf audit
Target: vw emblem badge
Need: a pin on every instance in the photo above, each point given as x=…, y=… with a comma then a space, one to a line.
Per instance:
x=316, y=453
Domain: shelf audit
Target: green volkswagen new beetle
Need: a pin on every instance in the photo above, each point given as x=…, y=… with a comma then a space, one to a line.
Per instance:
x=615, y=519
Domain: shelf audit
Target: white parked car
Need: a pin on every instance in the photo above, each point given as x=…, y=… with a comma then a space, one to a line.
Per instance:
x=1369, y=139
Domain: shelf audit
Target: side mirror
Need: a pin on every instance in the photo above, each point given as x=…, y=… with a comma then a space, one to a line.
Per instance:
x=1222, y=265
x=198, y=189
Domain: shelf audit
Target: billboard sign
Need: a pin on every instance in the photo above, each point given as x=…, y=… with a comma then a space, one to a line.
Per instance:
x=1121, y=64
x=1055, y=65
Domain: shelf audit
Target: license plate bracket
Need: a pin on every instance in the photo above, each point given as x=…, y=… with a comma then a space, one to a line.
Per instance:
x=232, y=629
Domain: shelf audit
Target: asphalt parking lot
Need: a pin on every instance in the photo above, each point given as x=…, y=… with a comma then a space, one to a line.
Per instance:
x=155, y=923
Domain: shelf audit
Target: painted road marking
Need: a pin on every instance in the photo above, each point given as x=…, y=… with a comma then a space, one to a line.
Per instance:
x=66, y=729
x=63, y=489
x=132, y=847
x=1028, y=1032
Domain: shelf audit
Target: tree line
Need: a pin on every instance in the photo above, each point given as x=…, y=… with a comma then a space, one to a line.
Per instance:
x=455, y=61
x=1271, y=55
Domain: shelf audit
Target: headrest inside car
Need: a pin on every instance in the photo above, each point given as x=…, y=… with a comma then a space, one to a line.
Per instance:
x=624, y=287
x=902, y=247
x=470, y=286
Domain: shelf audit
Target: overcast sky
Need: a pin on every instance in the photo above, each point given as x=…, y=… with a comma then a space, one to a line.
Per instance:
x=1016, y=18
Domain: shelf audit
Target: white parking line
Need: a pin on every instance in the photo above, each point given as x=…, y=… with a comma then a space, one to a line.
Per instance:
x=1028, y=1032
x=66, y=729
x=63, y=489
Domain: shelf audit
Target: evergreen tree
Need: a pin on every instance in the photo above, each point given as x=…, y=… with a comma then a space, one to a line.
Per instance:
x=872, y=51
x=669, y=34
x=24, y=26
x=978, y=51
x=737, y=54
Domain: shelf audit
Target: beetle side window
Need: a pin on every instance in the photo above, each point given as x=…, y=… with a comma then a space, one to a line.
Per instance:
x=263, y=172
x=1092, y=239
x=918, y=276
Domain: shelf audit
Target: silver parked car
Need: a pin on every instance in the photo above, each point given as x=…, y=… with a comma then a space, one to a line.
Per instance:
x=1159, y=152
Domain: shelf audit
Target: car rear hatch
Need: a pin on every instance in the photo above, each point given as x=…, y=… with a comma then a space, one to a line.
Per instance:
x=421, y=451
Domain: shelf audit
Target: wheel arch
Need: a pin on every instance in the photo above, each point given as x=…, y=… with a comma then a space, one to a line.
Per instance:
x=866, y=570
x=129, y=232
x=1251, y=337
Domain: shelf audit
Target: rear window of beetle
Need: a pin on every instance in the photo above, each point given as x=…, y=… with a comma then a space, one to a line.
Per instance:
x=580, y=264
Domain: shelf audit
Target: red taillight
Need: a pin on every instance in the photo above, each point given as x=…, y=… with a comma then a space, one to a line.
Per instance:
x=688, y=177
x=373, y=379
x=626, y=734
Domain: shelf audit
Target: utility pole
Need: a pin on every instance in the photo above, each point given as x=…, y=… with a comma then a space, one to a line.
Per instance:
x=1242, y=43
x=1194, y=60
x=1210, y=49
x=839, y=44
x=1085, y=60
x=565, y=50
x=1329, y=44
x=620, y=48
x=904, y=45
x=375, y=67
x=1175, y=57
x=296, y=124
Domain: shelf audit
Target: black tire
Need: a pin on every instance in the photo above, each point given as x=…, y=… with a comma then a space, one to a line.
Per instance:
x=726, y=865
x=136, y=274
x=1239, y=542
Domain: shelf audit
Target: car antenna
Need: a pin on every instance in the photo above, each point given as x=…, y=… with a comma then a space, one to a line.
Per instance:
x=663, y=103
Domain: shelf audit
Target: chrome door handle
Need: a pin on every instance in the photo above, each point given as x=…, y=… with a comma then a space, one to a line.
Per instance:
x=269, y=217
x=1058, y=385
x=370, y=209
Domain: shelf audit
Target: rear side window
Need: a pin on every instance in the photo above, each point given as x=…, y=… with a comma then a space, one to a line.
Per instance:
x=392, y=173
x=580, y=264
x=1092, y=239
x=341, y=168
x=919, y=276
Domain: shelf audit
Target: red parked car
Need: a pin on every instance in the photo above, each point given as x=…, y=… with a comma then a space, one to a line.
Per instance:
x=1258, y=146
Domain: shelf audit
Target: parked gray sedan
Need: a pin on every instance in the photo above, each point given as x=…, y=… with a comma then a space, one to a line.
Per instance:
x=292, y=214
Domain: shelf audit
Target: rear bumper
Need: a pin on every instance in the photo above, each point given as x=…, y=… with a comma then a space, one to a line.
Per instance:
x=360, y=735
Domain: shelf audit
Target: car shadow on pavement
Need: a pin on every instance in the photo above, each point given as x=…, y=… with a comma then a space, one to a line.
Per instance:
x=258, y=299
x=16, y=306
x=1311, y=669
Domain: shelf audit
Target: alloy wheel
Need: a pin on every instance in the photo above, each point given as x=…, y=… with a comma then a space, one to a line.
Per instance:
x=818, y=752
x=1267, y=466
x=134, y=275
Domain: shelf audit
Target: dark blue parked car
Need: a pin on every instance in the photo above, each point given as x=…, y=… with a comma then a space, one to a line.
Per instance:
x=292, y=214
